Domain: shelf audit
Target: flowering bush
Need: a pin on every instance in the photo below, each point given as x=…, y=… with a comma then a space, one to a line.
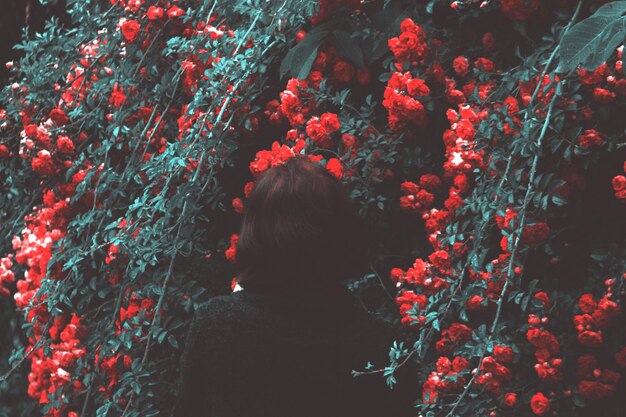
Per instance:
x=483, y=144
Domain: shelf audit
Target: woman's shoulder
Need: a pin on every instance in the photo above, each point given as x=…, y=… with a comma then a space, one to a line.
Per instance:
x=220, y=305
x=226, y=308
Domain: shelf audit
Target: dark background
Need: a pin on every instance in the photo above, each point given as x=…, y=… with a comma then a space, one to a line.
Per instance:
x=16, y=15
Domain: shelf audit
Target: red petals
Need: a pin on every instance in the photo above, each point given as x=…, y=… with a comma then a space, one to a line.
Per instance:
x=539, y=404
x=130, y=30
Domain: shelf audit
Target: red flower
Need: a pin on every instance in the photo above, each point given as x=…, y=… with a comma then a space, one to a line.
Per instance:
x=619, y=183
x=474, y=303
x=465, y=129
x=539, y=404
x=595, y=390
x=117, y=96
x=587, y=304
x=343, y=71
x=460, y=65
x=330, y=122
x=543, y=297
x=335, y=167
x=174, y=12
x=585, y=366
x=535, y=233
x=459, y=332
x=503, y=354
x=43, y=163
x=485, y=64
x=440, y=259
x=510, y=399
x=59, y=117
x=231, y=252
x=430, y=182
x=130, y=30
x=155, y=13
x=238, y=205
x=488, y=41
x=411, y=44
x=603, y=96
x=417, y=87
x=591, y=137
x=590, y=339
x=65, y=145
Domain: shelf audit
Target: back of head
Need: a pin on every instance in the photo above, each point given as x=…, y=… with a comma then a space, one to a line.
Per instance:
x=300, y=231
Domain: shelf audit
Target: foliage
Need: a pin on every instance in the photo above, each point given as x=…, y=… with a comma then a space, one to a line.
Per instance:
x=480, y=143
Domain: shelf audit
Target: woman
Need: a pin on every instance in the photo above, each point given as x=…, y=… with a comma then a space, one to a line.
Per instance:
x=287, y=344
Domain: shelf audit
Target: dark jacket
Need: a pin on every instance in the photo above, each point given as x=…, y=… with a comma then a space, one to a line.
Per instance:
x=260, y=355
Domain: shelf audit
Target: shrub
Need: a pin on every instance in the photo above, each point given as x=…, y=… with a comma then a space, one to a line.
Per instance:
x=484, y=145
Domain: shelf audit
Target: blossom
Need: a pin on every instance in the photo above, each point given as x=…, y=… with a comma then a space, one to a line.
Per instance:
x=320, y=129
x=503, y=354
x=231, y=252
x=460, y=65
x=65, y=145
x=117, y=96
x=539, y=404
x=591, y=137
x=130, y=29
x=155, y=13
x=510, y=399
x=335, y=167
x=343, y=71
x=400, y=100
x=174, y=12
x=411, y=44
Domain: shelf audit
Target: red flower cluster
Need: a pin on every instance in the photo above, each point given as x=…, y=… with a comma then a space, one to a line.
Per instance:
x=446, y=378
x=605, y=83
x=619, y=186
x=320, y=129
x=595, y=384
x=532, y=234
x=452, y=337
x=595, y=318
x=7, y=277
x=295, y=103
x=112, y=367
x=493, y=374
x=402, y=101
x=265, y=160
x=49, y=373
x=231, y=252
x=416, y=200
x=546, y=345
x=426, y=276
x=410, y=45
x=591, y=137
x=409, y=305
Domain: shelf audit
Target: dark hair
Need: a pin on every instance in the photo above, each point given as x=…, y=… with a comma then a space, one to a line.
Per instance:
x=300, y=231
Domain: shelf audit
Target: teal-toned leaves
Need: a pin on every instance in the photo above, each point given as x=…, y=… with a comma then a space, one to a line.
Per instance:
x=299, y=60
x=348, y=46
x=592, y=41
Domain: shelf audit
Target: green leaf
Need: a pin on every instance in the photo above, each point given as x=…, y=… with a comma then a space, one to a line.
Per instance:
x=347, y=46
x=612, y=9
x=591, y=42
x=299, y=60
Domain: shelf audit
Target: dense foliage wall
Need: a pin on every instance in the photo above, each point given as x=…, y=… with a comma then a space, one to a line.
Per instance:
x=484, y=144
